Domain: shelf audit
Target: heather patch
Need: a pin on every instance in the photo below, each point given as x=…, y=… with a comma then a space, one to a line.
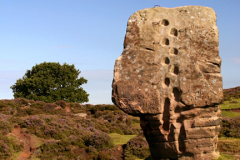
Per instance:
x=100, y=140
x=230, y=127
x=5, y=127
x=136, y=147
x=56, y=150
x=9, y=145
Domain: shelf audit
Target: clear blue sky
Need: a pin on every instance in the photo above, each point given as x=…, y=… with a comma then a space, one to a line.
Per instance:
x=90, y=34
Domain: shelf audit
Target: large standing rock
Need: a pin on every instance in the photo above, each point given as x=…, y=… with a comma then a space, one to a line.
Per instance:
x=169, y=75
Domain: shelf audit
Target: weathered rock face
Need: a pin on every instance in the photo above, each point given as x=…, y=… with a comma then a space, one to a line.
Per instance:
x=169, y=75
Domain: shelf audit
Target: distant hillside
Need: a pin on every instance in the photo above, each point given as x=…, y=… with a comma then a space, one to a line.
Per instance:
x=233, y=93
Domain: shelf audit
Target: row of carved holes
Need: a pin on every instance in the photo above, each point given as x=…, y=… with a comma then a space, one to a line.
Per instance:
x=175, y=70
x=173, y=32
x=167, y=80
x=176, y=92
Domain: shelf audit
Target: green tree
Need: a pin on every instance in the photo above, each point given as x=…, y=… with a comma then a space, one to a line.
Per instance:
x=50, y=82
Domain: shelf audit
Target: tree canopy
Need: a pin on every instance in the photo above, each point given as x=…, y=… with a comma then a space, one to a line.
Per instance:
x=50, y=82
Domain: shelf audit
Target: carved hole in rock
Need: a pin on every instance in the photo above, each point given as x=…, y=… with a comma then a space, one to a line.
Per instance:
x=165, y=22
x=166, y=114
x=174, y=32
x=181, y=139
x=174, y=51
x=167, y=61
x=167, y=81
x=177, y=94
x=176, y=70
x=165, y=41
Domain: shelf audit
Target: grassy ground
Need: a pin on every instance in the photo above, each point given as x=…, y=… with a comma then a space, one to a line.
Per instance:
x=230, y=114
x=229, y=145
x=226, y=157
x=233, y=103
x=119, y=139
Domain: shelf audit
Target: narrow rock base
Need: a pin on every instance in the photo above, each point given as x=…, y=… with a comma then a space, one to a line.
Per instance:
x=188, y=136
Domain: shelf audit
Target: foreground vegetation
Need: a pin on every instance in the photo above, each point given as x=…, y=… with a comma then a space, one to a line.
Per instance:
x=63, y=130
x=58, y=131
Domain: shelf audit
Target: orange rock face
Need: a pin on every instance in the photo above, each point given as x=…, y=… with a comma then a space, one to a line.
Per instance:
x=169, y=75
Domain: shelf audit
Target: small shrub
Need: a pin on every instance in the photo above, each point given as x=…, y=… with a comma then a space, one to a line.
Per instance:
x=56, y=150
x=97, y=114
x=77, y=141
x=125, y=129
x=49, y=106
x=8, y=107
x=128, y=122
x=28, y=111
x=115, y=129
x=4, y=117
x=37, y=104
x=230, y=127
x=22, y=101
x=91, y=150
x=72, y=105
x=49, y=132
x=61, y=103
x=100, y=140
x=16, y=120
x=104, y=155
x=8, y=146
x=136, y=147
x=5, y=127
x=78, y=105
x=2, y=104
x=34, y=121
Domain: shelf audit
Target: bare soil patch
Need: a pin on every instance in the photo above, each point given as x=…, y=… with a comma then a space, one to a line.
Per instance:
x=29, y=147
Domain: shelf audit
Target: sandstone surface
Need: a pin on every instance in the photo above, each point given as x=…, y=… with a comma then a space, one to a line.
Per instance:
x=169, y=75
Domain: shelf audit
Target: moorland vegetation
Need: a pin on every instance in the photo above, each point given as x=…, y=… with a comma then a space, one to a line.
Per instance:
x=67, y=130
x=63, y=130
